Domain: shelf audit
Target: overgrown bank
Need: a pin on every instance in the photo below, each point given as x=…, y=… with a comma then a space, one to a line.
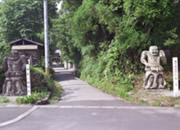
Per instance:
x=115, y=82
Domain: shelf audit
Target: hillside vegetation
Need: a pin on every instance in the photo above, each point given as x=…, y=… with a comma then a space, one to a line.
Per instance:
x=106, y=37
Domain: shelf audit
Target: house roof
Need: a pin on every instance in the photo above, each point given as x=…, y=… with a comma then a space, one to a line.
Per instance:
x=27, y=40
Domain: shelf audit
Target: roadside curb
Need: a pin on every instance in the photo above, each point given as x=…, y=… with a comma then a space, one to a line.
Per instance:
x=18, y=118
x=177, y=106
x=44, y=100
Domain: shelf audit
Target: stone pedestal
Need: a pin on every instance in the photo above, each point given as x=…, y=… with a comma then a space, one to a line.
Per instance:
x=14, y=86
x=154, y=80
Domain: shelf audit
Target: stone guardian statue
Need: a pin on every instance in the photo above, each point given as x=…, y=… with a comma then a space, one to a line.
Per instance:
x=152, y=60
x=14, y=84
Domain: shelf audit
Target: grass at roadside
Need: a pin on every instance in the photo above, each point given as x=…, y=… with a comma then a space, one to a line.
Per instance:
x=4, y=100
x=56, y=93
x=35, y=96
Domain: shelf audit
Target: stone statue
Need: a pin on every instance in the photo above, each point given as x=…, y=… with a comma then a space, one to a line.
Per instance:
x=14, y=84
x=154, y=71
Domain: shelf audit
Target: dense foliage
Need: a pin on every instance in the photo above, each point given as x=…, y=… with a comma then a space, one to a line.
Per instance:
x=24, y=19
x=109, y=35
x=96, y=26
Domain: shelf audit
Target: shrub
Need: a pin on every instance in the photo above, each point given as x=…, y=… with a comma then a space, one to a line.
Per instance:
x=35, y=96
x=39, y=80
x=4, y=100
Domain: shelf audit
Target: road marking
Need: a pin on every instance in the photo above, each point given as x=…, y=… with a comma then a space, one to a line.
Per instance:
x=87, y=107
x=106, y=107
x=14, y=105
x=20, y=117
x=90, y=107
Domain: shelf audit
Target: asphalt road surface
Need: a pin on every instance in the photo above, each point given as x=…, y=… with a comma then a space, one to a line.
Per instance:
x=84, y=107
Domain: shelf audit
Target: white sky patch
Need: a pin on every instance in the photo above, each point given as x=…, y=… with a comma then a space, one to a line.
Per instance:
x=59, y=5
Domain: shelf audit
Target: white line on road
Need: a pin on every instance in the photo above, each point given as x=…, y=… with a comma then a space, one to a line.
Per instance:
x=20, y=117
x=17, y=106
x=104, y=107
x=88, y=107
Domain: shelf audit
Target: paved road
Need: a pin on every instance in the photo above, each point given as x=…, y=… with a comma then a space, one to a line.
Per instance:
x=86, y=108
x=8, y=113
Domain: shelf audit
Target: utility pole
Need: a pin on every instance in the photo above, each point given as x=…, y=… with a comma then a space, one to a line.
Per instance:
x=46, y=37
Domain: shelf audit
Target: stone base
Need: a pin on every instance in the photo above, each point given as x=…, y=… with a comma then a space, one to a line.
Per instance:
x=162, y=92
x=154, y=80
x=14, y=86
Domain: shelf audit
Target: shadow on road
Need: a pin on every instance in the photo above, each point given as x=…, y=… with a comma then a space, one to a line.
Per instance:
x=57, y=65
x=64, y=76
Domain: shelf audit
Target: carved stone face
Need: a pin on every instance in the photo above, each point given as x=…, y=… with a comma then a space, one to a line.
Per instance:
x=14, y=53
x=153, y=50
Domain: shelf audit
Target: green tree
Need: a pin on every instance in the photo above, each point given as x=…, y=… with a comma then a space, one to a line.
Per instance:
x=24, y=18
x=63, y=39
x=62, y=32
x=112, y=33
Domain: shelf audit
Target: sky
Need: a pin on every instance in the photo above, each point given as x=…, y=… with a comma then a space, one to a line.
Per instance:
x=58, y=5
